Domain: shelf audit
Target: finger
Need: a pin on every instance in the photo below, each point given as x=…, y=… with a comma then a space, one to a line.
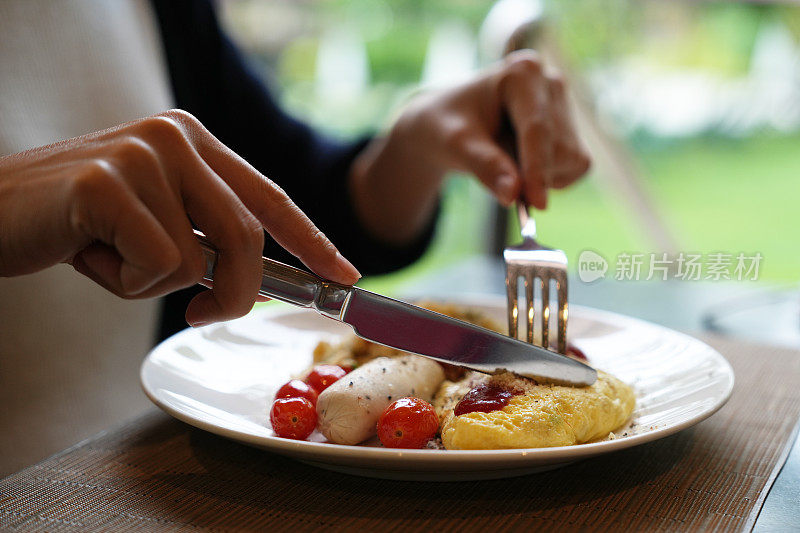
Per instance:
x=481, y=156
x=525, y=97
x=570, y=158
x=574, y=164
x=106, y=210
x=146, y=176
x=284, y=221
x=210, y=285
x=100, y=263
x=295, y=232
x=238, y=238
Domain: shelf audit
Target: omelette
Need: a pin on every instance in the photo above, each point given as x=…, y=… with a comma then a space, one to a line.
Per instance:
x=526, y=414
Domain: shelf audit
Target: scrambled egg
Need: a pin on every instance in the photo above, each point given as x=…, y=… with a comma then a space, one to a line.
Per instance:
x=542, y=416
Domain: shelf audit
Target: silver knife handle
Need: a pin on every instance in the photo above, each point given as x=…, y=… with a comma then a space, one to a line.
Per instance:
x=289, y=284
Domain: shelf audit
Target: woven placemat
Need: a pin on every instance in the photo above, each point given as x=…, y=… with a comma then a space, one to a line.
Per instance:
x=157, y=473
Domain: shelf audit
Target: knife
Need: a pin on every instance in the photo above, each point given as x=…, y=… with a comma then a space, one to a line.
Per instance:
x=410, y=328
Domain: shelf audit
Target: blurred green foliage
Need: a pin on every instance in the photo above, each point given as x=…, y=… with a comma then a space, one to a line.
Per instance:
x=730, y=195
x=712, y=35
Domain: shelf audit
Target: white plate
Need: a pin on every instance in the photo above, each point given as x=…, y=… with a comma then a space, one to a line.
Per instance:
x=222, y=378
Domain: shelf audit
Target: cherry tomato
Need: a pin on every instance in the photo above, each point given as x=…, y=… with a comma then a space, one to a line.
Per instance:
x=293, y=418
x=408, y=423
x=323, y=376
x=297, y=389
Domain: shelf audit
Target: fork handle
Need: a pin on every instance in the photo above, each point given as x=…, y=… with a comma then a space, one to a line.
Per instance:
x=527, y=226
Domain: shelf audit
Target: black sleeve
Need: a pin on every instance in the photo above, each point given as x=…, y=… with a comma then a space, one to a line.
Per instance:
x=212, y=81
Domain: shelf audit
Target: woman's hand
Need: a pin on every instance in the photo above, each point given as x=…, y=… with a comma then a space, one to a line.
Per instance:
x=117, y=205
x=510, y=127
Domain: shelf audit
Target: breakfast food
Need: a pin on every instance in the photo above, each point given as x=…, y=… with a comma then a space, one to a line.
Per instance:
x=408, y=423
x=358, y=388
x=298, y=389
x=349, y=409
x=293, y=418
x=506, y=411
x=323, y=376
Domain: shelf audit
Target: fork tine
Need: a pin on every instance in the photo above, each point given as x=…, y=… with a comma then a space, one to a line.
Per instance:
x=563, y=312
x=513, y=305
x=531, y=309
x=545, y=282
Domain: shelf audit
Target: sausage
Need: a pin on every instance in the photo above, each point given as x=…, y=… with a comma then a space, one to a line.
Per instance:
x=348, y=410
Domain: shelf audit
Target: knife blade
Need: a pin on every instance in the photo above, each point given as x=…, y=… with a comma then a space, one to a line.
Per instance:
x=414, y=329
x=411, y=328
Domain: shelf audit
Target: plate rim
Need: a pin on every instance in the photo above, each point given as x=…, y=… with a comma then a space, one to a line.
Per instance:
x=438, y=456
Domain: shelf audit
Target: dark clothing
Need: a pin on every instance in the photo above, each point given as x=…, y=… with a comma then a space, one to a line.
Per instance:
x=211, y=80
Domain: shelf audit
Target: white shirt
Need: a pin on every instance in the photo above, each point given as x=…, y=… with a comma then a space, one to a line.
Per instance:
x=69, y=350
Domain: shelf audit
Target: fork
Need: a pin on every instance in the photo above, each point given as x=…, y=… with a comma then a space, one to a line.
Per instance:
x=535, y=263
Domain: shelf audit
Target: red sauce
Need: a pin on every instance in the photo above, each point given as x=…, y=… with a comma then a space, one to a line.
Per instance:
x=483, y=398
x=576, y=352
